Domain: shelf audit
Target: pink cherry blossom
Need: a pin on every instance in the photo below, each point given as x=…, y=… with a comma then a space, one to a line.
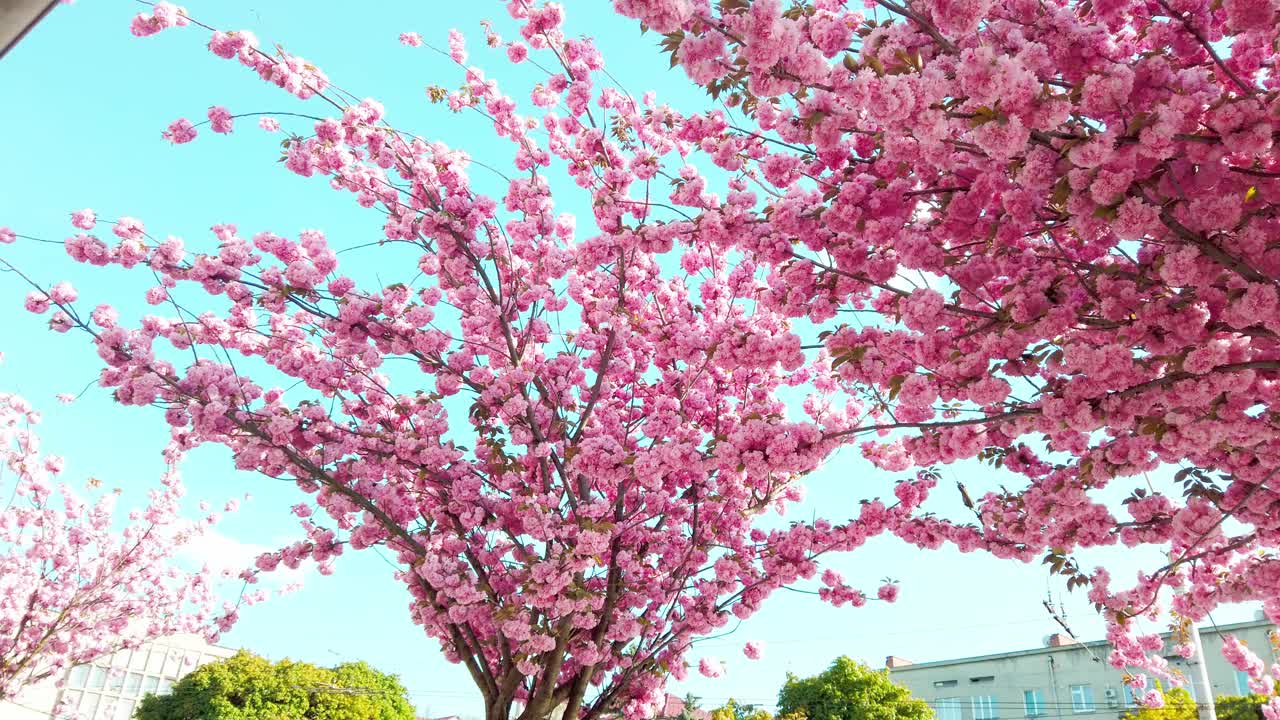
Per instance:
x=128, y=228
x=710, y=667
x=220, y=119
x=37, y=302
x=62, y=293
x=163, y=15
x=457, y=47
x=888, y=592
x=180, y=131
x=84, y=219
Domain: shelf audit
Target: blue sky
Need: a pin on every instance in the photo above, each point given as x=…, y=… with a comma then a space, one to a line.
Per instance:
x=85, y=105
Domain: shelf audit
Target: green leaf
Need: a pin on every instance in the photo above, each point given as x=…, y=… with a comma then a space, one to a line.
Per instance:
x=854, y=355
x=895, y=385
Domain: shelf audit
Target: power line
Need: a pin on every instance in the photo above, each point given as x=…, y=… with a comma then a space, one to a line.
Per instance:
x=916, y=631
x=1007, y=703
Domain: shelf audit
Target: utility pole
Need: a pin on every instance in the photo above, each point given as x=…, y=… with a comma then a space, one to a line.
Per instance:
x=1053, y=682
x=17, y=17
x=1200, y=676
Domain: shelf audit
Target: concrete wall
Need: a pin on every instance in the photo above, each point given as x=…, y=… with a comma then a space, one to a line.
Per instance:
x=951, y=687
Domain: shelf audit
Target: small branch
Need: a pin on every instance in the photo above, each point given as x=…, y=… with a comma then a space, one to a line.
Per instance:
x=1186, y=24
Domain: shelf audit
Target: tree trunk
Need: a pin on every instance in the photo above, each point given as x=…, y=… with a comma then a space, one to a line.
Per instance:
x=498, y=710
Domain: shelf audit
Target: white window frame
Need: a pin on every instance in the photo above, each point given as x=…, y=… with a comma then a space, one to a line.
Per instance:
x=102, y=690
x=949, y=708
x=1033, y=702
x=1086, y=702
x=984, y=707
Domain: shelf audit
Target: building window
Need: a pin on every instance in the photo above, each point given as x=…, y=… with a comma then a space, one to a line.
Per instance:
x=1034, y=702
x=984, y=707
x=155, y=661
x=111, y=690
x=1242, y=683
x=950, y=709
x=945, y=683
x=1129, y=698
x=983, y=679
x=1082, y=698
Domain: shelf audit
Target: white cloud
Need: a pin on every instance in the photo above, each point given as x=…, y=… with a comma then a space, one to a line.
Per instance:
x=224, y=553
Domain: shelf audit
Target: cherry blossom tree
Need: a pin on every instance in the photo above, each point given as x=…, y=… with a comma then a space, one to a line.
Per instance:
x=73, y=588
x=1053, y=224
x=568, y=449
x=1056, y=224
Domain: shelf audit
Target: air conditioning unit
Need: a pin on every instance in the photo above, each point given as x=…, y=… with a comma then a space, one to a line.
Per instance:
x=1110, y=692
x=1112, y=700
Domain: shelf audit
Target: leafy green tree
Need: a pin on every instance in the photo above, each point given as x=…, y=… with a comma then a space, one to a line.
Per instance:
x=1178, y=705
x=733, y=710
x=1240, y=707
x=248, y=687
x=849, y=690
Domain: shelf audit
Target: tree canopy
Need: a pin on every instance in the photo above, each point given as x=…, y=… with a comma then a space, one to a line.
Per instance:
x=849, y=690
x=249, y=687
x=1178, y=705
x=734, y=710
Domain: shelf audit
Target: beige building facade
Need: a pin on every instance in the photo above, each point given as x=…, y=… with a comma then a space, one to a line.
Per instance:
x=1063, y=679
x=110, y=688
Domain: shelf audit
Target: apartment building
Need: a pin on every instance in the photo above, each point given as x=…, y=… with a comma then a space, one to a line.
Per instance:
x=110, y=688
x=1063, y=679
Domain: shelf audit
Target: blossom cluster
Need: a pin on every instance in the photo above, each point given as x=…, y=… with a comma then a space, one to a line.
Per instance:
x=1058, y=214
x=627, y=432
x=72, y=588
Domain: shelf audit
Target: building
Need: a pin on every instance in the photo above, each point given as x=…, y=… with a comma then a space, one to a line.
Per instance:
x=110, y=688
x=674, y=708
x=1063, y=679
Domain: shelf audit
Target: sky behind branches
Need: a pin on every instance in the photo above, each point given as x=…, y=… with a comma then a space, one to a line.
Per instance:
x=85, y=105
